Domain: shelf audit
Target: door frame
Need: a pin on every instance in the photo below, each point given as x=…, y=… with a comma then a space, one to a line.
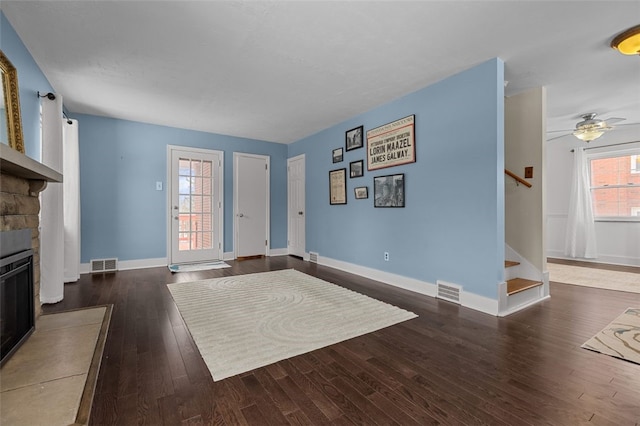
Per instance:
x=169, y=191
x=236, y=156
x=289, y=218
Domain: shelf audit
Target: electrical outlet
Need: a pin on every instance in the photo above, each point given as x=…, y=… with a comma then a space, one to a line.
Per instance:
x=386, y=256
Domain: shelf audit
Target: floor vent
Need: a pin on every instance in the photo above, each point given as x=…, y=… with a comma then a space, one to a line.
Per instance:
x=448, y=291
x=104, y=265
x=313, y=257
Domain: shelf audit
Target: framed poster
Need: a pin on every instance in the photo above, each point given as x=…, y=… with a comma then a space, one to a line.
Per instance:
x=356, y=168
x=362, y=192
x=388, y=191
x=337, y=155
x=338, y=186
x=353, y=138
x=392, y=144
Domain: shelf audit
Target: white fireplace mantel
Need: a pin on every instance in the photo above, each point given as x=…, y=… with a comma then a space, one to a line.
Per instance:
x=17, y=164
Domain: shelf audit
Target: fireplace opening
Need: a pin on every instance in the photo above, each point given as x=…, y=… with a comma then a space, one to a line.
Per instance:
x=17, y=314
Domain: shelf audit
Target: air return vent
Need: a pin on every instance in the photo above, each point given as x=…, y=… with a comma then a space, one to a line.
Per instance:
x=104, y=265
x=313, y=257
x=448, y=291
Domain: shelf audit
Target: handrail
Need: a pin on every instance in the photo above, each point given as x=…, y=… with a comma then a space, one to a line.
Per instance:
x=517, y=178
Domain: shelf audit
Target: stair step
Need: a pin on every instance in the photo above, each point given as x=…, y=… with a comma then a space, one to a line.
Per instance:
x=517, y=285
x=510, y=263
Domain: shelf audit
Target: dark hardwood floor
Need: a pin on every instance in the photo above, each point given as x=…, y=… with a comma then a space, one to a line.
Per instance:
x=451, y=365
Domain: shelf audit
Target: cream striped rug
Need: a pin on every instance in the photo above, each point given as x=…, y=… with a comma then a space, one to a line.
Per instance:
x=620, y=339
x=243, y=322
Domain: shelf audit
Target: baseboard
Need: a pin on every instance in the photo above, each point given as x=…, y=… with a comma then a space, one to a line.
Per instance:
x=228, y=255
x=608, y=259
x=521, y=307
x=468, y=300
x=279, y=252
x=125, y=265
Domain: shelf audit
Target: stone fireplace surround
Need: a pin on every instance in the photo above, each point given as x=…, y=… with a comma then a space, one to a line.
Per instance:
x=21, y=181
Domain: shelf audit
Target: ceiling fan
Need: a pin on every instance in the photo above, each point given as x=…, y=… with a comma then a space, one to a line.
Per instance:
x=590, y=128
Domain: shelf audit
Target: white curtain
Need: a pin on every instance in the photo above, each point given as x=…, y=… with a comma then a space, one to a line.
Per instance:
x=51, y=206
x=581, y=232
x=71, y=204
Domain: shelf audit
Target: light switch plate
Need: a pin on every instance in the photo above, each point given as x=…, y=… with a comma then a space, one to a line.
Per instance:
x=158, y=186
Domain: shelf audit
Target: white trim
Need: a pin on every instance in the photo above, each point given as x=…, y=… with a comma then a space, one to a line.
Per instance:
x=168, y=189
x=267, y=159
x=479, y=303
x=411, y=284
x=602, y=258
x=521, y=307
x=125, y=265
x=468, y=300
x=279, y=252
x=228, y=255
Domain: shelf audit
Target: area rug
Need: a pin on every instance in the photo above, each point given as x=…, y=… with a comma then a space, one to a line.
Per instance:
x=193, y=267
x=243, y=322
x=592, y=277
x=621, y=338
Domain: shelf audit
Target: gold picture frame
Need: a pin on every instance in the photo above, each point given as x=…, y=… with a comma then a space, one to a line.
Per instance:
x=11, y=100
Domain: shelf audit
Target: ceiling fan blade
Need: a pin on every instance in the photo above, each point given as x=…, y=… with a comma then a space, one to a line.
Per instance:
x=558, y=131
x=558, y=137
x=614, y=120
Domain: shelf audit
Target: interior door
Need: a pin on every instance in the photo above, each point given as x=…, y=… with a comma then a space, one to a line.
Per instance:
x=195, y=206
x=251, y=209
x=296, y=205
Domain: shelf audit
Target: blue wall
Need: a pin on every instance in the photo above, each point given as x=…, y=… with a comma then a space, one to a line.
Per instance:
x=30, y=80
x=452, y=227
x=123, y=215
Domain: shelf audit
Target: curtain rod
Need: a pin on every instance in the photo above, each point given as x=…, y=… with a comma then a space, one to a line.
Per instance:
x=606, y=146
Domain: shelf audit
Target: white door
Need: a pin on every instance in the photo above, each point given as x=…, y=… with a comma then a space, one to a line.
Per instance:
x=195, y=204
x=296, y=206
x=251, y=207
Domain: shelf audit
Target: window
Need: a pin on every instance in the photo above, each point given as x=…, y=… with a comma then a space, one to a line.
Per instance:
x=615, y=185
x=635, y=163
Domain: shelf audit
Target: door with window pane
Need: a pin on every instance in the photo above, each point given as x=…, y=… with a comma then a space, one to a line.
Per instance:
x=195, y=206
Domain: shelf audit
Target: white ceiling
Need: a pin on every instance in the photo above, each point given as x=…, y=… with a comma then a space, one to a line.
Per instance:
x=280, y=71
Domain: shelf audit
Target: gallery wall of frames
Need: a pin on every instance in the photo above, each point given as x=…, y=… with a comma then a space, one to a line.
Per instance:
x=383, y=147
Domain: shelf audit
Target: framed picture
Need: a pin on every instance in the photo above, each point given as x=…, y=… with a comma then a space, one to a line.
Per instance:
x=388, y=191
x=392, y=144
x=362, y=192
x=338, y=186
x=356, y=168
x=337, y=155
x=354, y=139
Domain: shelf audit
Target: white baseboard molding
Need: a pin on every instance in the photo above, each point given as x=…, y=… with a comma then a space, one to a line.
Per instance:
x=521, y=307
x=126, y=265
x=228, y=255
x=279, y=252
x=468, y=300
x=608, y=259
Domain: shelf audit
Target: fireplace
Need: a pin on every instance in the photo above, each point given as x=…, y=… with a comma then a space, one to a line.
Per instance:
x=17, y=315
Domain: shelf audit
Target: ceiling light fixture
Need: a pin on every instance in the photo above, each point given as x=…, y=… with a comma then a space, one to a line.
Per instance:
x=590, y=128
x=628, y=42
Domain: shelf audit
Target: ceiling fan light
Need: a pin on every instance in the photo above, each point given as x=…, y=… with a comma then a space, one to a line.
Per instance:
x=588, y=135
x=628, y=42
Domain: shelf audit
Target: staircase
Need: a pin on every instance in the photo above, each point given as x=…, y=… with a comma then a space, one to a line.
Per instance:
x=521, y=288
x=516, y=285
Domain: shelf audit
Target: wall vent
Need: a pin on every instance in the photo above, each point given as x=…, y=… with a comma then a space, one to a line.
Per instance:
x=448, y=291
x=104, y=265
x=313, y=257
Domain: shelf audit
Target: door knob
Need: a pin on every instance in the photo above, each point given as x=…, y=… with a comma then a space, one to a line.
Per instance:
x=300, y=213
x=240, y=215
